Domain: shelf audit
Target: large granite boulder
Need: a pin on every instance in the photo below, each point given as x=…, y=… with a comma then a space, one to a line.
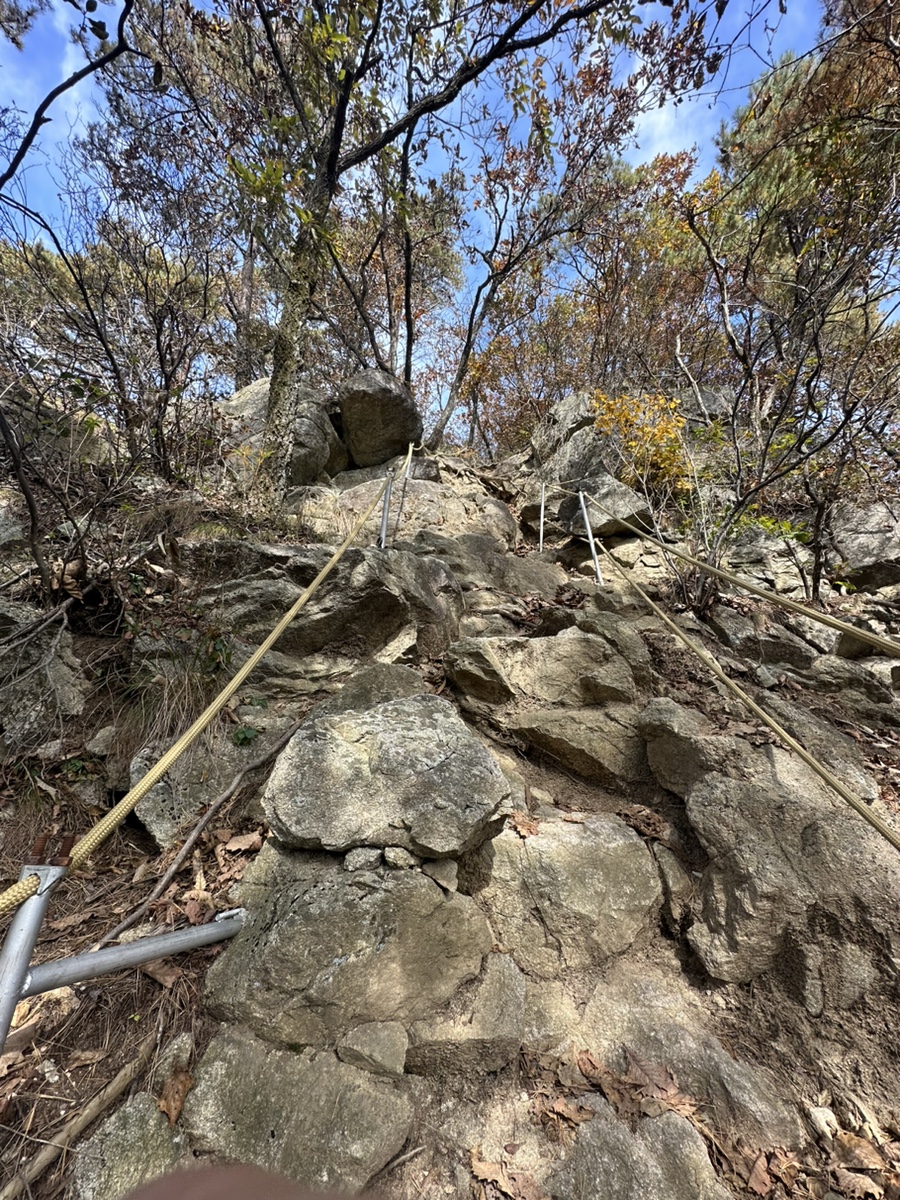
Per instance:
x=565, y=443
x=408, y=773
x=573, y=668
x=416, y=505
x=373, y=606
x=379, y=417
x=867, y=538
x=325, y=949
x=763, y=641
x=317, y=449
x=601, y=744
x=620, y=509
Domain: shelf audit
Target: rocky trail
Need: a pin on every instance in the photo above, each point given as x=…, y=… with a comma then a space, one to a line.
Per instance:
x=537, y=911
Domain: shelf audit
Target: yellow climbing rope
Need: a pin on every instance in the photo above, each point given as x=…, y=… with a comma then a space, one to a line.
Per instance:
x=885, y=645
x=21, y=891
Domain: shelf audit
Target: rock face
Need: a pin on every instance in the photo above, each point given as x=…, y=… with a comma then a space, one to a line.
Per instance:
x=407, y=773
x=133, y=1147
x=659, y=1019
x=391, y=602
x=663, y=1159
x=344, y=1127
x=570, y=895
x=621, y=507
x=565, y=444
x=867, y=538
x=326, y=950
x=768, y=644
x=318, y=450
x=415, y=506
x=770, y=561
x=485, y=1035
x=601, y=744
x=574, y=668
x=41, y=681
x=789, y=862
x=437, y=927
x=379, y=417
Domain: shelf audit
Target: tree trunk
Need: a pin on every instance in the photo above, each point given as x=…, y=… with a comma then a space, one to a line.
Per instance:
x=278, y=444
x=244, y=366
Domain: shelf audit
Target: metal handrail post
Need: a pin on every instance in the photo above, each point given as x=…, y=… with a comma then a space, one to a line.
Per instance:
x=385, y=510
x=541, y=536
x=132, y=954
x=23, y=933
x=590, y=538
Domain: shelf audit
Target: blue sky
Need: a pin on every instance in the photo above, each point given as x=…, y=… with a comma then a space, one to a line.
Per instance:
x=697, y=119
x=50, y=56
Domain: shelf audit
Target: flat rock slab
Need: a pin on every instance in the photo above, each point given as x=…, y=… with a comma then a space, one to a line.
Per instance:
x=663, y=1159
x=659, y=1018
x=340, y=1128
x=573, y=668
x=571, y=894
x=408, y=773
x=601, y=744
x=325, y=950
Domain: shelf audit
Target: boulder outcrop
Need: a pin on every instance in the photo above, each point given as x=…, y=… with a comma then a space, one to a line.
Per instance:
x=379, y=417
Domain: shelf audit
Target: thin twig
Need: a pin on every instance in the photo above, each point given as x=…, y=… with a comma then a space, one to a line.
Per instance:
x=16, y=578
x=403, y=1158
x=121, y=47
x=72, y=1129
x=30, y=631
x=192, y=840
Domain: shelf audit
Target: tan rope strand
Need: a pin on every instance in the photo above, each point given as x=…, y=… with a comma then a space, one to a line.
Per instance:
x=18, y=892
x=708, y=659
x=885, y=645
x=89, y=843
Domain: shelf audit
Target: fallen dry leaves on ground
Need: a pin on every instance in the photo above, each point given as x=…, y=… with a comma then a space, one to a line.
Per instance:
x=855, y=1166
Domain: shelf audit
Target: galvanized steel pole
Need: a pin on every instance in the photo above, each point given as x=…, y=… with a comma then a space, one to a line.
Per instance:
x=590, y=538
x=117, y=958
x=20, y=940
